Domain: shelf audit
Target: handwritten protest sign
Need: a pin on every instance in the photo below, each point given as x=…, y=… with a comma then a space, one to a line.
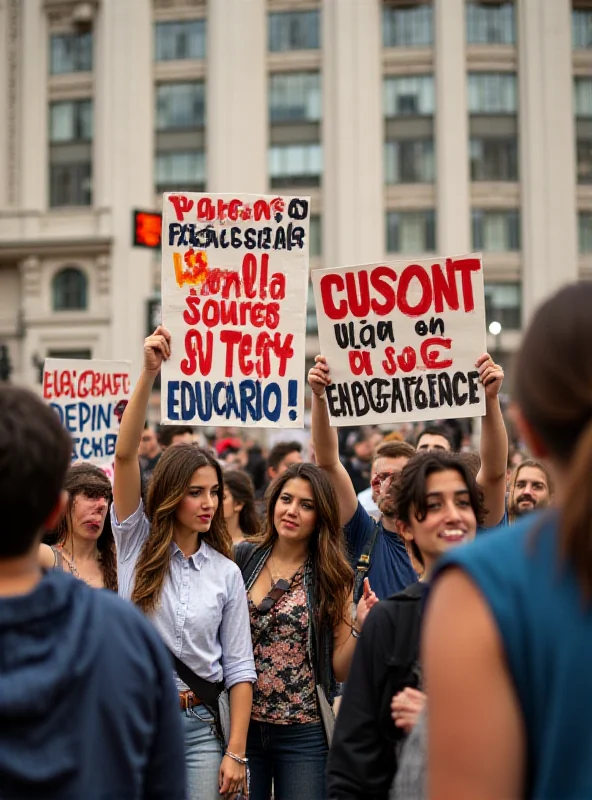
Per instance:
x=89, y=398
x=234, y=284
x=401, y=339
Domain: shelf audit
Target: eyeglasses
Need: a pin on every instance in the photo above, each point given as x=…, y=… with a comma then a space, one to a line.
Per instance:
x=277, y=591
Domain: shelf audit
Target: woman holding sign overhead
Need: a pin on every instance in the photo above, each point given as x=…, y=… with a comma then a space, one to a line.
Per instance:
x=174, y=564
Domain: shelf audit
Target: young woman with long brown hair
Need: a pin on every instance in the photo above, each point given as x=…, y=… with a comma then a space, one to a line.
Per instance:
x=508, y=636
x=300, y=595
x=82, y=542
x=175, y=564
x=240, y=513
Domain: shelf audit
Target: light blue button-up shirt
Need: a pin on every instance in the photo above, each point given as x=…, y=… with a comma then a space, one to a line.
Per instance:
x=202, y=616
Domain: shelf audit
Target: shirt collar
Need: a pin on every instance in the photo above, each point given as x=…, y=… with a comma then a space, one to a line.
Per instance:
x=200, y=557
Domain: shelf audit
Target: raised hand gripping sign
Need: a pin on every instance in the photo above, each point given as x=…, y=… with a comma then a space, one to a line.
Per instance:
x=234, y=291
x=401, y=339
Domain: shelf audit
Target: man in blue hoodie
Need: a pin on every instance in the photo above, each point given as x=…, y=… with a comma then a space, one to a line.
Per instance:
x=88, y=707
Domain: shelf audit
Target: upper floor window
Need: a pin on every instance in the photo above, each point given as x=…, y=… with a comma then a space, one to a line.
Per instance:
x=176, y=41
x=294, y=30
x=494, y=159
x=70, y=52
x=583, y=97
x=496, y=231
x=315, y=240
x=492, y=93
x=584, y=163
x=180, y=105
x=295, y=165
x=585, y=231
x=180, y=171
x=407, y=26
x=503, y=304
x=71, y=121
x=70, y=184
x=410, y=232
x=408, y=97
x=581, y=24
x=295, y=97
x=491, y=23
x=312, y=325
x=70, y=290
x=409, y=161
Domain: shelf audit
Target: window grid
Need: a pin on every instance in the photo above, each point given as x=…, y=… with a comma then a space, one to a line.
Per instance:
x=70, y=184
x=491, y=23
x=492, y=93
x=70, y=52
x=70, y=290
x=585, y=231
x=581, y=23
x=71, y=121
x=293, y=30
x=407, y=27
x=315, y=234
x=408, y=96
x=295, y=165
x=584, y=163
x=496, y=231
x=180, y=105
x=503, y=304
x=583, y=97
x=410, y=161
x=180, y=40
x=411, y=232
x=180, y=170
x=494, y=159
x=295, y=97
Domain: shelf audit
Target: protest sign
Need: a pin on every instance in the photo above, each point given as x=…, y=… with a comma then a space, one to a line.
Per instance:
x=402, y=338
x=234, y=290
x=89, y=398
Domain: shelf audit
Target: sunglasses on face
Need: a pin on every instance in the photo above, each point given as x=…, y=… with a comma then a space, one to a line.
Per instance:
x=277, y=591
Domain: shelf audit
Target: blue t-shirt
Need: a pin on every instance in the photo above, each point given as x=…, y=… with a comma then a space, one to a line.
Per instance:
x=390, y=567
x=546, y=631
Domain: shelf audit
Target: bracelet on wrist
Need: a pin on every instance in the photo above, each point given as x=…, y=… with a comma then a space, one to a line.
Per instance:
x=238, y=759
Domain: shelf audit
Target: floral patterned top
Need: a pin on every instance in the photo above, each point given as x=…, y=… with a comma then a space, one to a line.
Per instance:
x=285, y=691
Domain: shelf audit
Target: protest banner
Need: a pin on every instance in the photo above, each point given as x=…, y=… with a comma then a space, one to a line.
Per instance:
x=402, y=338
x=234, y=290
x=89, y=398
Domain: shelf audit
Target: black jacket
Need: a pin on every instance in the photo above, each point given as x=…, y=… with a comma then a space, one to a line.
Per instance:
x=362, y=759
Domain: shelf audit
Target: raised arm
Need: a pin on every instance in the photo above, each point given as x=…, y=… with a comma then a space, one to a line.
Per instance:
x=127, y=484
x=326, y=444
x=493, y=448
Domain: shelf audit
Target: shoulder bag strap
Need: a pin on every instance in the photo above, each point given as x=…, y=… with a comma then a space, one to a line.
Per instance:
x=363, y=564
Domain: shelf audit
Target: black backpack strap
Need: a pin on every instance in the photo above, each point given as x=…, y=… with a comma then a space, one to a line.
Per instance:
x=363, y=564
x=207, y=692
x=248, y=557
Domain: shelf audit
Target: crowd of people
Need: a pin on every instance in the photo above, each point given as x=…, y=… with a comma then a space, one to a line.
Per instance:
x=306, y=622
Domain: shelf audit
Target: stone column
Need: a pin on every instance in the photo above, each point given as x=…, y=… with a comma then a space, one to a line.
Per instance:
x=453, y=211
x=547, y=149
x=353, y=133
x=33, y=133
x=236, y=107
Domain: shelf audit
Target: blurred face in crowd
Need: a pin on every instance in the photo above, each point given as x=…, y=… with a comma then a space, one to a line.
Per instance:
x=231, y=508
x=432, y=441
x=449, y=521
x=365, y=449
x=383, y=471
x=149, y=446
x=88, y=516
x=182, y=438
x=295, y=457
x=530, y=491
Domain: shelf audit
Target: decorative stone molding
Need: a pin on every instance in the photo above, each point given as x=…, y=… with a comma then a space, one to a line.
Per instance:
x=31, y=274
x=71, y=12
x=103, y=272
x=171, y=5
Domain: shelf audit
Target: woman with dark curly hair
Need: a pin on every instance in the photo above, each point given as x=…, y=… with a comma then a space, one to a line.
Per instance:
x=438, y=505
x=174, y=560
x=82, y=543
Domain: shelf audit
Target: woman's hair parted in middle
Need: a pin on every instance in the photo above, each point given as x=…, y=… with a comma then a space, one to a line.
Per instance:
x=170, y=481
x=334, y=575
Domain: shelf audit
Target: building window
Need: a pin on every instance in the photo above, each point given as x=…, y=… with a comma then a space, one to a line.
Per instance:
x=583, y=97
x=503, y=304
x=410, y=232
x=409, y=161
x=581, y=23
x=295, y=165
x=70, y=290
x=409, y=97
x=494, y=160
x=70, y=184
x=180, y=171
x=294, y=30
x=315, y=234
x=496, y=231
x=177, y=41
x=492, y=93
x=585, y=231
x=491, y=23
x=584, y=166
x=312, y=326
x=295, y=97
x=407, y=26
x=180, y=105
x=70, y=52
x=71, y=121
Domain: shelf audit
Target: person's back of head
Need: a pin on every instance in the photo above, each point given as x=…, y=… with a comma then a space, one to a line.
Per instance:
x=553, y=398
x=35, y=453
